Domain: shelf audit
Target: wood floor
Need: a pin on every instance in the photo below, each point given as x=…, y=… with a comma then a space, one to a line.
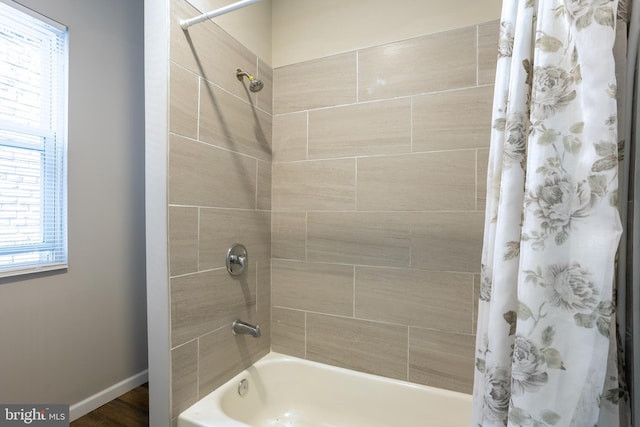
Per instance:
x=129, y=410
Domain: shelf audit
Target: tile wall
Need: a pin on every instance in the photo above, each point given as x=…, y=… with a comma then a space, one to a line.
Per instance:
x=378, y=186
x=219, y=194
x=370, y=255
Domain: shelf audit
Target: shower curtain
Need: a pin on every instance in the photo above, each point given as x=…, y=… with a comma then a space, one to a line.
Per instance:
x=546, y=341
x=628, y=270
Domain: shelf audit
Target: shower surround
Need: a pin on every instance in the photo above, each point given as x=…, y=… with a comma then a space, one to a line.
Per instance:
x=365, y=248
x=379, y=170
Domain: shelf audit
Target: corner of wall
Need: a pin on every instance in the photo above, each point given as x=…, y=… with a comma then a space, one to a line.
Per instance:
x=156, y=163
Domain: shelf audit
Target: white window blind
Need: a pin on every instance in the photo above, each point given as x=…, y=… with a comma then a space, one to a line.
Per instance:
x=33, y=117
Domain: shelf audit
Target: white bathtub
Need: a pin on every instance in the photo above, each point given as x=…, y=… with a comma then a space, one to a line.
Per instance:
x=285, y=391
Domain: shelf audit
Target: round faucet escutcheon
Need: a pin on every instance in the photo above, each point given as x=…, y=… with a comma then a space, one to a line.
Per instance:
x=237, y=259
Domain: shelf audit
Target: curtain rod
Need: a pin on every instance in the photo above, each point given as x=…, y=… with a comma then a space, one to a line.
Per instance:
x=186, y=23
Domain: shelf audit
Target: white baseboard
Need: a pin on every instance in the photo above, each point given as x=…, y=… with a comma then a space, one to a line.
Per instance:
x=107, y=395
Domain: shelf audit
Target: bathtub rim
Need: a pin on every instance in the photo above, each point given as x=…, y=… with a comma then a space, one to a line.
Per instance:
x=275, y=357
x=215, y=397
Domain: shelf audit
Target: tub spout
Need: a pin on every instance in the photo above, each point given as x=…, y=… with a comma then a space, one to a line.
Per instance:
x=241, y=328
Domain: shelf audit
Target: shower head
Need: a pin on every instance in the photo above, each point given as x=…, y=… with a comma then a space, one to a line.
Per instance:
x=255, y=85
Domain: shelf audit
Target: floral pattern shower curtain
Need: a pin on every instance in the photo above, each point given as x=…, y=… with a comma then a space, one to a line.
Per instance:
x=546, y=347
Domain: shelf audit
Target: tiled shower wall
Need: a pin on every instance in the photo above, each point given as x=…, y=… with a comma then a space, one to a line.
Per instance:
x=379, y=175
x=219, y=194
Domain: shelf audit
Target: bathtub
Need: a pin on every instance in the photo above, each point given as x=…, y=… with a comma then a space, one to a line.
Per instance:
x=284, y=391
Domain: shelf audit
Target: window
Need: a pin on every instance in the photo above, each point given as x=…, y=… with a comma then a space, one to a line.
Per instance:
x=33, y=118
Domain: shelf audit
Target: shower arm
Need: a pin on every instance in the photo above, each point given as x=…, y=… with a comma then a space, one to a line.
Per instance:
x=186, y=23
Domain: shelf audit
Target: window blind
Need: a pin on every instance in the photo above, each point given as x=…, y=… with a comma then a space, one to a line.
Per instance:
x=33, y=116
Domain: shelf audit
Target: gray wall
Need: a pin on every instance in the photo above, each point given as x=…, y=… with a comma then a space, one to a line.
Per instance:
x=67, y=336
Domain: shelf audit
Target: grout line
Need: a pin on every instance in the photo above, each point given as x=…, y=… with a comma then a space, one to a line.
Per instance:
x=367, y=156
x=365, y=319
x=211, y=145
x=182, y=344
x=375, y=267
x=393, y=98
x=257, y=184
x=173, y=205
x=305, y=334
x=359, y=319
x=193, y=273
x=358, y=212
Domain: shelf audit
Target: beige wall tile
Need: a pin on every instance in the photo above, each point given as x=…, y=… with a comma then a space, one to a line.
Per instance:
x=314, y=185
x=447, y=241
x=315, y=84
x=206, y=301
x=488, y=34
x=229, y=122
x=325, y=288
x=417, y=182
x=476, y=299
x=289, y=235
x=453, y=119
x=180, y=49
x=481, y=170
x=428, y=299
x=184, y=377
x=366, y=238
x=290, y=137
x=263, y=303
x=371, y=347
x=265, y=96
x=435, y=62
x=222, y=355
x=183, y=101
x=264, y=186
x=362, y=129
x=441, y=359
x=221, y=228
x=199, y=175
x=288, y=331
x=202, y=47
x=183, y=240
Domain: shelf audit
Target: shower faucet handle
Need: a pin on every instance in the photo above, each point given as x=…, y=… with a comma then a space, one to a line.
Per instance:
x=237, y=259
